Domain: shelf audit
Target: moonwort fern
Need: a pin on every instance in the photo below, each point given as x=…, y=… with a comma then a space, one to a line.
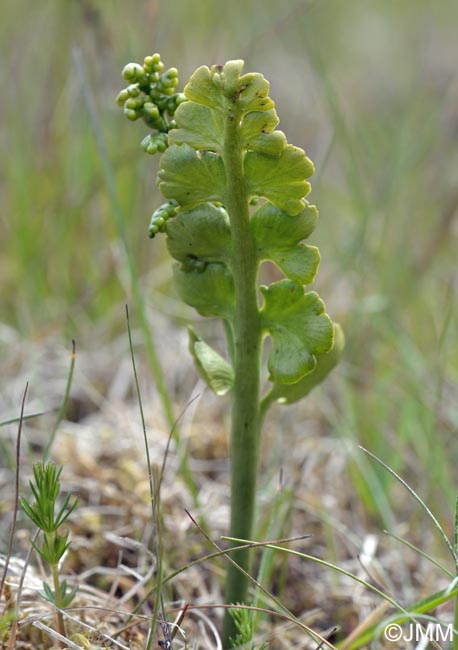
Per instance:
x=235, y=191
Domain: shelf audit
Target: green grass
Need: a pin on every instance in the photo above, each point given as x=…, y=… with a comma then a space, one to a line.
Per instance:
x=375, y=119
x=368, y=87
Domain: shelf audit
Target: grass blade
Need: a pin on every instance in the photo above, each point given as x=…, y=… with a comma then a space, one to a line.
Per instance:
x=418, y=499
x=455, y=533
x=455, y=544
x=422, y=553
x=275, y=526
x=63, y=407
x=154, y=489
x=16, y=491
x=29, y=416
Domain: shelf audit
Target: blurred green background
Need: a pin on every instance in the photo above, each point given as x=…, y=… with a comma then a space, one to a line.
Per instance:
x=368, y=87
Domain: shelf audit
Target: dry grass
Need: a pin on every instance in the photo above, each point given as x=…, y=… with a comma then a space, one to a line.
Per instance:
x=112, y=558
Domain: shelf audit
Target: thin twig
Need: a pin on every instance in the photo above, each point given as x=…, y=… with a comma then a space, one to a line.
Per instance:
x=16, y=490
x=63, y=407
x=154, y=495
x=418, y=499
x=66, y=643
x=154, y=487
x=415, y=549
x=172, y=434
x=13, y=630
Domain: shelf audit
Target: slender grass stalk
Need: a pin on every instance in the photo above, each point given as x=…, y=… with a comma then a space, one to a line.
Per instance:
x=419, y=500
x=63, y=406
x=422, y=553
x=455, y=623
x=154, y=489
x=16, y=491
x=29, y=416
x=155, y=481
x=455, y=547
x=14, y=626
x=276, y=524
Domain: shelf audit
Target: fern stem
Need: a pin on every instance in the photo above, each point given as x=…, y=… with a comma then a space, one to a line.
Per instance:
x=247, y=352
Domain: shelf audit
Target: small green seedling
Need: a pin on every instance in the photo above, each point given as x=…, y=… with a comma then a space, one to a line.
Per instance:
x=44, y=513
x=235, y=191
x=243, y=620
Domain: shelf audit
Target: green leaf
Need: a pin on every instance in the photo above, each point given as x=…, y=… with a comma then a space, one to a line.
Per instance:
x=65, y=511
x=299, y=264
x=53, y=547
x=277, y=238
x=280, y=180
x=227, y=76
x=299, y=327
x=67, y=599
x=48, y=593
x=269, y=144
x=190, y=177
x=256, y=123
x=216, y=371
x=289, y=393
x=222, y=86
x=257, y=133
x=202, y=234
x=32, y=513
x=198, y=126
x=210, y=291
x=252, y=92
x=202, y=127
x=202, y=89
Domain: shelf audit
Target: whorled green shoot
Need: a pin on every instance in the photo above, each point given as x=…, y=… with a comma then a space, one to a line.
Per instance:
x=243, y=621
x=43, y=510
x=235, y=197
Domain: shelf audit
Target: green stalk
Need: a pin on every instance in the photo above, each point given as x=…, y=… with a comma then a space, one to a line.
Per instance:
x=455, y=548
x=455, y=624
x=58, y=593
x=247, y=348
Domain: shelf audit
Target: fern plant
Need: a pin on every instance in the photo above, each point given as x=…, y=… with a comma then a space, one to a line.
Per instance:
x=235, y=191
